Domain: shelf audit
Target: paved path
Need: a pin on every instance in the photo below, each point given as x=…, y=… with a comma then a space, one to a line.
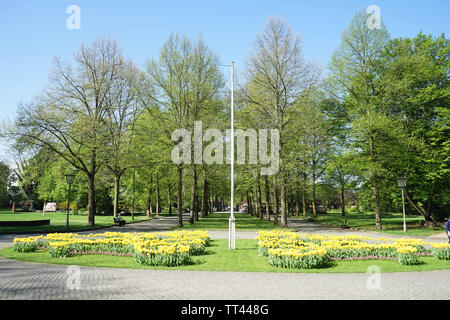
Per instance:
x=22, y=280
x=42, y=281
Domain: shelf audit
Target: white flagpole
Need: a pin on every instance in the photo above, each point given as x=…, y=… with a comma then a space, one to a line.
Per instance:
x=231, y=227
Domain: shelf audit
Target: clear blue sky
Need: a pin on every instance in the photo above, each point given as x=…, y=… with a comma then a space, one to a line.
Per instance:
x=33, y=32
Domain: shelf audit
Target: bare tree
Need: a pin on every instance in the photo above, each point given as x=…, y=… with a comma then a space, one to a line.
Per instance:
x=70, y=117
x=278, y=77
x=166, y=96
x=121, y=120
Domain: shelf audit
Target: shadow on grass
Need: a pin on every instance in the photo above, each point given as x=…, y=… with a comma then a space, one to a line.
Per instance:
x=206, y=253
x=196, y=262
x=212, y=243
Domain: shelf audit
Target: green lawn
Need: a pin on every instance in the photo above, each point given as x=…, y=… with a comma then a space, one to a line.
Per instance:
x=392, y=223
x=58, y=221
x=218, y=258
x=219, y=221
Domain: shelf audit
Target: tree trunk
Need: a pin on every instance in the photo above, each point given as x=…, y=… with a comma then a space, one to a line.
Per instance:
x=180, y=196
x=204, y=196
x=283, y=222
x=211, y=202
x=116, y=193
x=426, y=215
x=357, y=202
x=275, y=200
x=158, y=198
x=133, y=208
x=297, y=198
x=313, y=191
x=194, y=212
x=304, y=195
x=291, y=202
x=91, y=200
x=377, y=205
x=169, y=198
x=376, y=192
x=251, y=209
x=430, y=200
x=267, y=191
x=343, y=201
x=149, y=198
x=258, y=191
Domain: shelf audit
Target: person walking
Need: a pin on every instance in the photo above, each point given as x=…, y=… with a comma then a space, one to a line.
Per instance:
x=447, y=228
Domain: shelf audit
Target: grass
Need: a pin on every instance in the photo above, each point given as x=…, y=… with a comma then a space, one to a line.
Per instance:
x=219, y=221
x=58, y=221
x=392, y=223
x=218, y=258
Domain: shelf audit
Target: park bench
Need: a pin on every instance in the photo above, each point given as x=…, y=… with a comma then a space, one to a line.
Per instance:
x=119, y=221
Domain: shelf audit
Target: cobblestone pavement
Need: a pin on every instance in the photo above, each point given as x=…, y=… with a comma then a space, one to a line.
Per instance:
x=23, y=280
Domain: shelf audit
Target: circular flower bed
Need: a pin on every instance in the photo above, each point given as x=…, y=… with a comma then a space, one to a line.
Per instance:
x=293, y=250
x=159, y=249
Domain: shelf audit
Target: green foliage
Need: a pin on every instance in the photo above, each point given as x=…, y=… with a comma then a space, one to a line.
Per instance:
x=408, y=258
x=4, y=179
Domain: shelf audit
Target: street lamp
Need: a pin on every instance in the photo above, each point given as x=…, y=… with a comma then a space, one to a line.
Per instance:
x=402, y=184
x=69, y=177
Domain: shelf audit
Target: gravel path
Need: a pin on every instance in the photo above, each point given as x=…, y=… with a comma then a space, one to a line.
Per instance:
x=23, y=280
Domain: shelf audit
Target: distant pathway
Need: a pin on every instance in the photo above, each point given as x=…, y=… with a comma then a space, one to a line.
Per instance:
x=303, y=226
x=164, y=223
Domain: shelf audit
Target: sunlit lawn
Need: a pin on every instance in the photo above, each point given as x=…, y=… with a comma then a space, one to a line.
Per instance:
x=219, y=221
x=392, y=223
x=77, y=222
x=218, y=258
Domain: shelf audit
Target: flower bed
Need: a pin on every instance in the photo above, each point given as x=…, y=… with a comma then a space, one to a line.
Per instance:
x=406, y=255
x=441, y=251
x=292, y=250
x=29, y=244
x=292, y=258
x=162, y=249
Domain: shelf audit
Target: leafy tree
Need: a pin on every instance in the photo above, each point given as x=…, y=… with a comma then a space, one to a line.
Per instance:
x=354, y=72
x=5, y=171
x=414, y=88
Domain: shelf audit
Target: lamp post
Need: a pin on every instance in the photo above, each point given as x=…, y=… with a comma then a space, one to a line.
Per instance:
x=402, y=184
x=69, y=177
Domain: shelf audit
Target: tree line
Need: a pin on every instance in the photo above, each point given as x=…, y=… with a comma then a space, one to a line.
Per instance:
x=381, y=111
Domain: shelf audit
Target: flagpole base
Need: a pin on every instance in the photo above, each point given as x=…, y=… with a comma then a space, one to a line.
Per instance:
x=231, y=233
